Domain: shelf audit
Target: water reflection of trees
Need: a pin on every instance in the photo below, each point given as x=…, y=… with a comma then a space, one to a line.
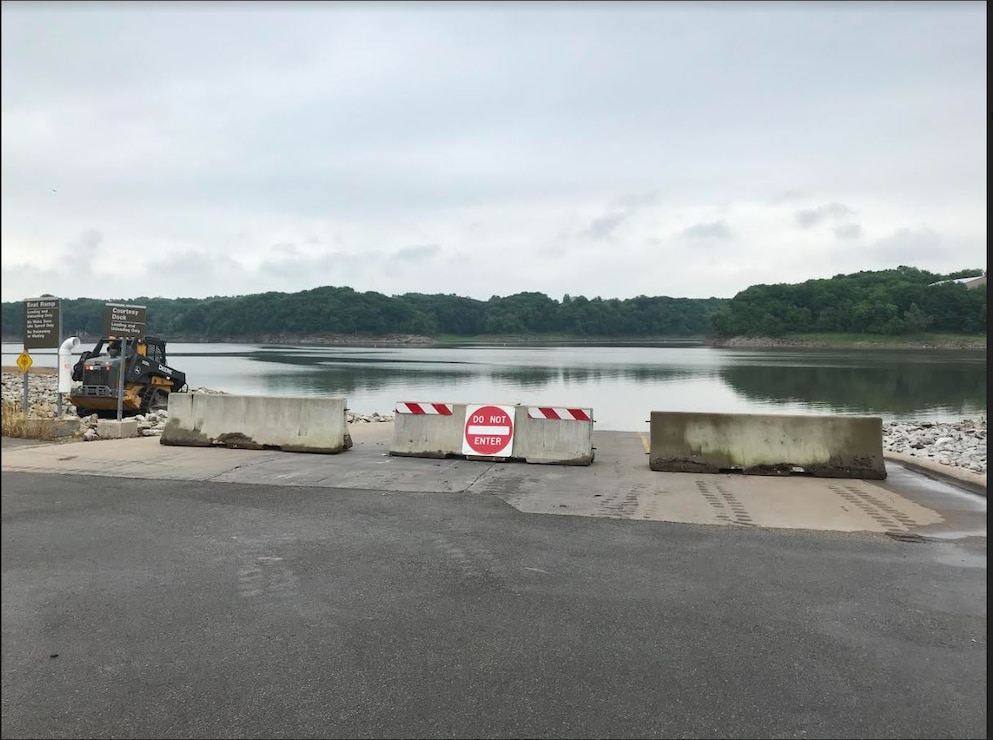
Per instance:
x=884, y=388
x=883, y=383
x=319, y=375
x=524, y=377
x=539, y=376
x=340, y=380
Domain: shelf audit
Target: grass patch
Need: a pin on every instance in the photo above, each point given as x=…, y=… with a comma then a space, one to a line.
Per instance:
x=15, y=423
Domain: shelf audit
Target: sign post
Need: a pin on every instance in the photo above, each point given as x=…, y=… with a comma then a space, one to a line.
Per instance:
x=42, y=330
x=125, y=323
x=121, y=367
x=489, y=431
x=58, y=390
x=24, y=362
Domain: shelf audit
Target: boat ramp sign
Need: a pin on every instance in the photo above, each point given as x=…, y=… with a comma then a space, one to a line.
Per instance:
x=41, y=323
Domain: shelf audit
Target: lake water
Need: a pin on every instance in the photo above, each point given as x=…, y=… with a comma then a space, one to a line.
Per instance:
x=622, y=384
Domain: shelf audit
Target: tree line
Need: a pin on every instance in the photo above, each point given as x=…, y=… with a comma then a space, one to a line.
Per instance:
x=888, y=302
x=343, y=311
x=897, y=301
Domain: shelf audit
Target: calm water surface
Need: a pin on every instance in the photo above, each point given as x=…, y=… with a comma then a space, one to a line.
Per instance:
x=621, y=384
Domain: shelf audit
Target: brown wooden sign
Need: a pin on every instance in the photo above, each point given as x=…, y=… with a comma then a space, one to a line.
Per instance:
x=41, y=323
x=123, y=321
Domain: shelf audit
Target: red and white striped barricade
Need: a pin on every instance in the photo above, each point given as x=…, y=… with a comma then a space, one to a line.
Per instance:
x=422, y=429
x=536, y=434
x=554, y=435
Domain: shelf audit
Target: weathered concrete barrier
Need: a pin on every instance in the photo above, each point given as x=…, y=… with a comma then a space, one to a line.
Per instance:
x=554, y=435
x=114, y=429
x=293, y=424
x=422, y=429
x=757, y=444
x=540, y=435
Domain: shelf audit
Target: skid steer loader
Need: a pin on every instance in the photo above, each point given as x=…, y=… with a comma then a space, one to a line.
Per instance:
x=148, y=380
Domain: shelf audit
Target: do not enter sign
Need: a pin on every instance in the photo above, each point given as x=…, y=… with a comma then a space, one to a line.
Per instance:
x=489, y=431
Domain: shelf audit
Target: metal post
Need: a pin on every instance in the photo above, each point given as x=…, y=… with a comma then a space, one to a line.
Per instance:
x=58, y=367
x=26, y=408
x=122, y=366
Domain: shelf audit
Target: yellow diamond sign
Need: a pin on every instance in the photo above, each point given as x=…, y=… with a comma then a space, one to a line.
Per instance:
x=24, y=361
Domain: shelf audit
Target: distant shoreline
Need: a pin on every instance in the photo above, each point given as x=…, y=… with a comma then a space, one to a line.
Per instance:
x=935, y=343
x=927, y=342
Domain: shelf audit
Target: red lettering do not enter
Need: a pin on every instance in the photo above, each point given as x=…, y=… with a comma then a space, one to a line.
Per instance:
x=489, y=431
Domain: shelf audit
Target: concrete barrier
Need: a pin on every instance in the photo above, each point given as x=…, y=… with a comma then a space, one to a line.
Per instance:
x=554, y=435
x=293, y=424
x=114, y=429
x=542, y=435
x=756, y=444
x=422, y=429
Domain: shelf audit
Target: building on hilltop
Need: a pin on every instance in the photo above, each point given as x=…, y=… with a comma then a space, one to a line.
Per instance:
x=976, y=281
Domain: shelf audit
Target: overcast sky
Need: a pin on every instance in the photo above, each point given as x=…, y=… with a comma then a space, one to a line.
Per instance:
x=688, y=150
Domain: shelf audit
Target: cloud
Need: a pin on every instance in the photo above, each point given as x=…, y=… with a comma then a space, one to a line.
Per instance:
x=813, y=216
x=287, y=248
x=908, y=247
x=604, y=226
x=200, y=274
x=30, y=275
x=83, y=255
x=317, y=133
x=638, y=200
x=416, y=252
x=321, y=268
x=702, y=232
x=789, y=195
x=848, y=231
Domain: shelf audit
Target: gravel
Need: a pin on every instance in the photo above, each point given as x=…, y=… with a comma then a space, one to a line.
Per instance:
x=961, y=444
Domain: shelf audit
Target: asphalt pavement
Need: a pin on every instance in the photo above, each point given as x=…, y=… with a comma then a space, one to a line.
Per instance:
x=150, y=607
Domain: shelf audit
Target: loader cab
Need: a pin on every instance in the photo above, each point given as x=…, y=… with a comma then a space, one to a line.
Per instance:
x=151, y=347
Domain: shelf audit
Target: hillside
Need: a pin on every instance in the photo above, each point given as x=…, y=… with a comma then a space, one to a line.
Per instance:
x=905, y=302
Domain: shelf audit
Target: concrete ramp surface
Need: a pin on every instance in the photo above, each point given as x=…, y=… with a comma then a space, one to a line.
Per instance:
x=618, y=485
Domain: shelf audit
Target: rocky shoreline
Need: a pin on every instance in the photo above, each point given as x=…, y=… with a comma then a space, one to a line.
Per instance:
x=961, y=444
x=800, y=343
